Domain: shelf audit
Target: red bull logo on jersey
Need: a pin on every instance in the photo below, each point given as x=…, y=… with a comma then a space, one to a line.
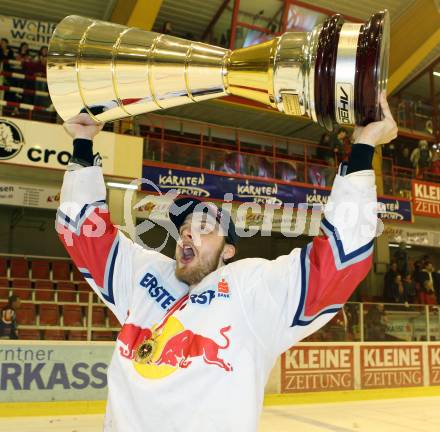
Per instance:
x=186, y=345
x=130, y=337
x=176, y=348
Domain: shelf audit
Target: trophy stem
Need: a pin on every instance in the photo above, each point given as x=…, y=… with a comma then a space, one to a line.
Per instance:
x=249, y=72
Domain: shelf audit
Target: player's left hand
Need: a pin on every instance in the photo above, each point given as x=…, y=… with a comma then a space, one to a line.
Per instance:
x=82, y=126
x=379, y=132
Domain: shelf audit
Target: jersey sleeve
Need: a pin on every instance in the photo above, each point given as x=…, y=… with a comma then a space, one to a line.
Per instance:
x=294, y=295
x=103, y=254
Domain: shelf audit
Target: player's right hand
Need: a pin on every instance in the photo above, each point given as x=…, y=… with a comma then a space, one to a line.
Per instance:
x=82, y=126
x=379, y=132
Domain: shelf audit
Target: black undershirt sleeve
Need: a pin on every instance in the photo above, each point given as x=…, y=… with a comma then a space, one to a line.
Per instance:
x=361, y=158
x=82, y=152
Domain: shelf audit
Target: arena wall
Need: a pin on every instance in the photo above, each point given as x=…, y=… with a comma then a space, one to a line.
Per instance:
x=44, y=371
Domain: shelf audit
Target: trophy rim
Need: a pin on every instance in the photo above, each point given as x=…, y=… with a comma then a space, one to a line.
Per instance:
x=61, y=52
x=372, y=59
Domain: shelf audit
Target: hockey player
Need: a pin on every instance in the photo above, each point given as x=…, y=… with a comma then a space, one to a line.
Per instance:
x=199, y=337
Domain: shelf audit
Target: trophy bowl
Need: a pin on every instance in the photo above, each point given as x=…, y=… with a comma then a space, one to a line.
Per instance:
x=332, y=75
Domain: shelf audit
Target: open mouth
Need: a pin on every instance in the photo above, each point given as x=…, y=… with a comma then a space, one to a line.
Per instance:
x=187, y=255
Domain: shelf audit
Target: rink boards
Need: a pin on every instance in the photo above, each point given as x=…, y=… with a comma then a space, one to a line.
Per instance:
x=71, y=376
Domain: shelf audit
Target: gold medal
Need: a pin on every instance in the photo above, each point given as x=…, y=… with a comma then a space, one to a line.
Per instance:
x=145, y=351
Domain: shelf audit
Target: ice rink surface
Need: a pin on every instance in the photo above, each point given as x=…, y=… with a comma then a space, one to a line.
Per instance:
x=392, y=415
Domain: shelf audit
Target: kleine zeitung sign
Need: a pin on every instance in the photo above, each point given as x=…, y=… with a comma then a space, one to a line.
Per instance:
x=426, y=198
x=386, y=366
x=317, y=368
x=434, y=365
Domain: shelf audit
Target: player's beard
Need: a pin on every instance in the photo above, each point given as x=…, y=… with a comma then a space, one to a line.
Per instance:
x=194, y=272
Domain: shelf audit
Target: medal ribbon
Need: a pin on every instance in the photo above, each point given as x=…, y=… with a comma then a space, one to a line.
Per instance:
x=179, y=305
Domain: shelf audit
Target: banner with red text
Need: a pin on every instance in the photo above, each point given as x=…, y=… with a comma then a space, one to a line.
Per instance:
x=387, y=366
x=426, y=198
x=311, y=367
x=434, y=365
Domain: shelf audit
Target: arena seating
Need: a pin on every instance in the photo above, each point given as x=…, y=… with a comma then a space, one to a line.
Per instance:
x=66, y=292
x=77, y=276
x=98, y=316
x=53, y=293
x=44, y=290
x=103, y=336
x=49, y=314
x=60, y=270
x=24, y=290
x=32, y=334
x=4, y=288
x=112, y=320
x=40, y=269
x=76, y=335
x=83, y=291
x=19, y=268
x=185, y=142
x=26, y=314
x=72, y=315
x=54, y=334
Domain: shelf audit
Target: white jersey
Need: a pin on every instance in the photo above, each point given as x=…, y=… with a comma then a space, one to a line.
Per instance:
x=215, y=346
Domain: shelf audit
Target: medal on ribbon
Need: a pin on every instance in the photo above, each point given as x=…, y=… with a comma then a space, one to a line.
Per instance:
x=147, y=348
x=145, y=351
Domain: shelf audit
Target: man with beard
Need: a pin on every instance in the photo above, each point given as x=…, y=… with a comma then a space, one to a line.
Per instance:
x=199, y=336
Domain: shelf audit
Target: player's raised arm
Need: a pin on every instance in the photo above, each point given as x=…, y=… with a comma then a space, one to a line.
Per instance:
x=302, y=291
x=102, y=254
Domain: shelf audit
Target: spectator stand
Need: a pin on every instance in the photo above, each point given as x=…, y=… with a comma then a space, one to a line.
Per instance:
x=378, y=322
x=56, y=302
x=234, y=151
x=23, y=91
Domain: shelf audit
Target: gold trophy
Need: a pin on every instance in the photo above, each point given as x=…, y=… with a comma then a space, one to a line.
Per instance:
x=332, y=75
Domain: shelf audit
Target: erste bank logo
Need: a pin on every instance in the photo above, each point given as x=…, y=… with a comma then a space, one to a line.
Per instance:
x=223, y=289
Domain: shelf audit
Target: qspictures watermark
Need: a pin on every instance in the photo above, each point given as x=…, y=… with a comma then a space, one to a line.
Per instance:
x=350, y=218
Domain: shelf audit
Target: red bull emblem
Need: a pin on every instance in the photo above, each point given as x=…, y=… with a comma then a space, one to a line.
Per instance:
x=184, y=346
x=130, y=337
